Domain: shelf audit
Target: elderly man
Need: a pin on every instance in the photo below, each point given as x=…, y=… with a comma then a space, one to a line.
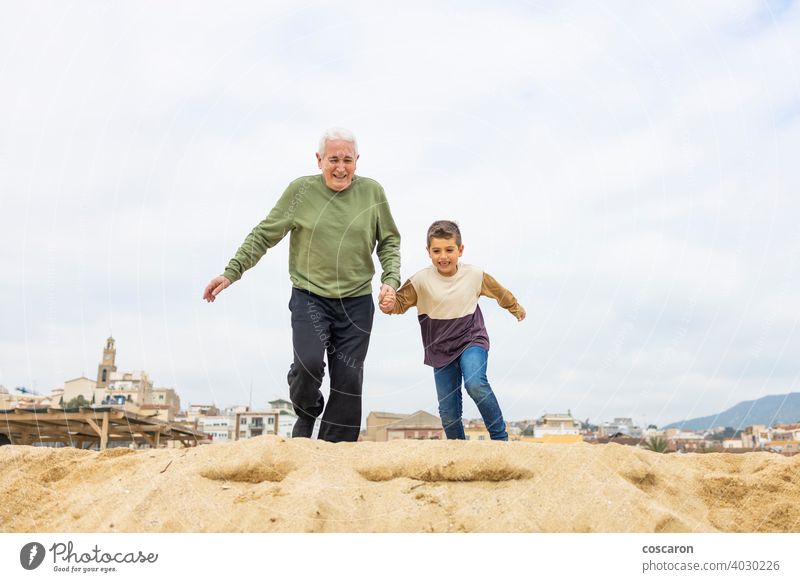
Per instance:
x=336, y=220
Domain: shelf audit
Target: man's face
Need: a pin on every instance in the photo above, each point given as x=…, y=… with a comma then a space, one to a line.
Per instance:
x=444, y=253
x=338, y=164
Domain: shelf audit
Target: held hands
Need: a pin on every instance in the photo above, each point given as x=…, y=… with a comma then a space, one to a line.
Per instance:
x=386, y=298
x=215, y=287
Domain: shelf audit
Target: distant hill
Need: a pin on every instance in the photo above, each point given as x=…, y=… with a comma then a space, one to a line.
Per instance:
x=775, y=409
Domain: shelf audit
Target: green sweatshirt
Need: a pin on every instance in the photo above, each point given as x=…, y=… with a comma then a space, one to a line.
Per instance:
x=333, y=237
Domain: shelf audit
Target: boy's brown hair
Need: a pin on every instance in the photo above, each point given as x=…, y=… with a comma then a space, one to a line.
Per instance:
x=444, y=229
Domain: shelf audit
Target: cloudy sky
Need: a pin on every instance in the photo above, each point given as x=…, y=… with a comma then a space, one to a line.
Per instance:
x=628, y=170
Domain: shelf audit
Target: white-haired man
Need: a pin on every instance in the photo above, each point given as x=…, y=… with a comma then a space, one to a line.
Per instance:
x=337, y=220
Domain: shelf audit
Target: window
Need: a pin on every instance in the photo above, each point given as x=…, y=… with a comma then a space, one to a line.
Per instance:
x=243, y=421
x=271, y=420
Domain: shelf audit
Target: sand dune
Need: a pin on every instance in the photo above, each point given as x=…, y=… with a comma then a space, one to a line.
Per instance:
x=270, y=484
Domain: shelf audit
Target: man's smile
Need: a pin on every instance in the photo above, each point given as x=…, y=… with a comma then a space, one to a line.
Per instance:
x=338, y=164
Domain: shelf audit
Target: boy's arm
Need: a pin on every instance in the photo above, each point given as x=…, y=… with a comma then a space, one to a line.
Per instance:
x=405, y=298
x=494, y=290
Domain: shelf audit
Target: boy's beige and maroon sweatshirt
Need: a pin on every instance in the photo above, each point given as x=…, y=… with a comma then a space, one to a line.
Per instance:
x=449, y=315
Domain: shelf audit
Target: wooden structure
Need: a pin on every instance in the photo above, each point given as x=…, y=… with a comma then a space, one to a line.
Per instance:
x=86, y=426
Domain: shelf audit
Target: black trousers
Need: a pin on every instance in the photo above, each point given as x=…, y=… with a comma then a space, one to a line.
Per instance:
x=339, y=328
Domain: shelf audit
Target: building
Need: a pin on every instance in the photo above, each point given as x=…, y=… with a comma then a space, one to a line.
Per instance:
x=233, y=410
x=107, y=366
x=786, y=432
x=286, y=418
x=123, y=385
x=223, y=426
x=782, y=446
x=475, y=430
x=620, y=425
x=377, y=423
x=556, y=424
x=732, y=443
x=166, y=397
x=756, y=436
x=552, y=428
x=687, y=442
x=218, y=428
x=195, y=411
x=254, y=424
x=388, y=426
x=56, y=396
x=81, y=387
x=239, y=422
x=110, y=386
x=135, y=387
x=281, y=405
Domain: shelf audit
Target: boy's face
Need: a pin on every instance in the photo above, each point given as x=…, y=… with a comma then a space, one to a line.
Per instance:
x=444, y=253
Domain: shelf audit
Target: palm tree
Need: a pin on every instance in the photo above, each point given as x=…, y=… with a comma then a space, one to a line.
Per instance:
x=656, y=444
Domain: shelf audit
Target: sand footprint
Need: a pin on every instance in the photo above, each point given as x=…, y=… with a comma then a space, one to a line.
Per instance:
x=466, y=469
x=249, y=471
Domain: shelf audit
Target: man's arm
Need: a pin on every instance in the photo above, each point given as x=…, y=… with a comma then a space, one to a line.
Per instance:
x=265, y=235
x=494, y=290
x=388, y=239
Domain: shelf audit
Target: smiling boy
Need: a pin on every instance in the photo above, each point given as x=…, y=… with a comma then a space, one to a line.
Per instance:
x=453, y=332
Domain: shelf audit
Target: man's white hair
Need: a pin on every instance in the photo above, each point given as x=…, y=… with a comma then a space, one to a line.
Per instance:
x=337, y=133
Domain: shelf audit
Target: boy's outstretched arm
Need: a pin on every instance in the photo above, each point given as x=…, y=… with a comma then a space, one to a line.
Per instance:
x=494, y=290
x=405, y=298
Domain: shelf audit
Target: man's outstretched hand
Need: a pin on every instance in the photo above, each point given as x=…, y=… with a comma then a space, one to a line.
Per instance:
x=215, y=287
x=386, y=298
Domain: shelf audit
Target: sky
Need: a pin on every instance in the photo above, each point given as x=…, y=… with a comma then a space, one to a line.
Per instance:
x=627, y=170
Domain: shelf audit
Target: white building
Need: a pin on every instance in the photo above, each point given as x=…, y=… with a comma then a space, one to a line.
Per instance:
x=286, y=418
x=620, y=425
x=253, y=424
x=556, y=424
x=219, y=428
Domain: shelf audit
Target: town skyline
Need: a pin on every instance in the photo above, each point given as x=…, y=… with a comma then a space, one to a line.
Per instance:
x=107, y=363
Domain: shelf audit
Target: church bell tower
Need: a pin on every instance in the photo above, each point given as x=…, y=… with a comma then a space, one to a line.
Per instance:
x=107, y=365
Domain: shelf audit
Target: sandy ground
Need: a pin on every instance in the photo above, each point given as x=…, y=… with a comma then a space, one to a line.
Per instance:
x=271, y=484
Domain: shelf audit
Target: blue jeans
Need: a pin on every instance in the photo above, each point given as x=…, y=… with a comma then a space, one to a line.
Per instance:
x=471, y=365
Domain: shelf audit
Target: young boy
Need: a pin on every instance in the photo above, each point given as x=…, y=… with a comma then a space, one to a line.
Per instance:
x=453, y=333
